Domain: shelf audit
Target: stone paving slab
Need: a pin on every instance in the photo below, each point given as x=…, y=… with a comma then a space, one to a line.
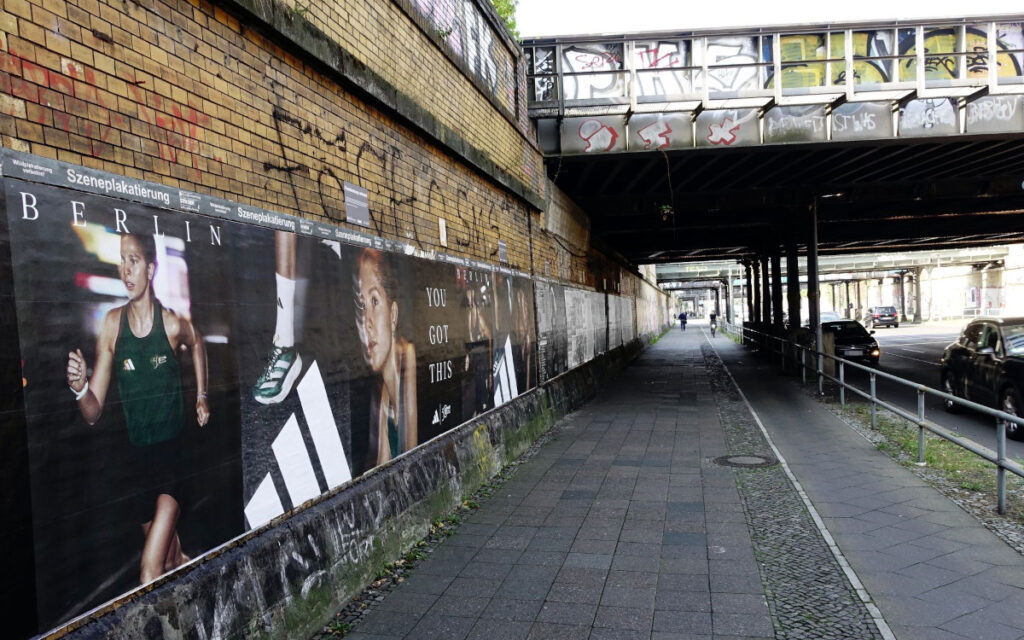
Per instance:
x=624, y=526
x=933, y=571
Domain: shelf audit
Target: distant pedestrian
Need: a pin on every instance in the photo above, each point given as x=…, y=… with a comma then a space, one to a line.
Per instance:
x=714, y=323
x=682, y=321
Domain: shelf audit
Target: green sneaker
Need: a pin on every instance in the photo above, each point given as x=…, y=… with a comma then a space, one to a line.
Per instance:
x=283, y=367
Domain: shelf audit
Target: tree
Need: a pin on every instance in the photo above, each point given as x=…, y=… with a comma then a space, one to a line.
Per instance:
x=507, y=10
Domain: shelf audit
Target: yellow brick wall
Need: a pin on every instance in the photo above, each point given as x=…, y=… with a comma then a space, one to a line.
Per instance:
x=384, y=36
x=184, y=94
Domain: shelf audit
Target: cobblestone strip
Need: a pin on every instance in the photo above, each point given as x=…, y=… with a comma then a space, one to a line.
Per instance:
x=808, y=594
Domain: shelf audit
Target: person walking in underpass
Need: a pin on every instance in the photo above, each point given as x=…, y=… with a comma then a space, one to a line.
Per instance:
x=682, y=321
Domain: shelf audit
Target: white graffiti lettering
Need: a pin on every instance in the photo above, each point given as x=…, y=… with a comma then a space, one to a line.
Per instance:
x=995, y=108
x=856, y=121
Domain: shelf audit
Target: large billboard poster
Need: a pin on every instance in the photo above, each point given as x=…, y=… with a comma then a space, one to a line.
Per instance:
x=189, y=376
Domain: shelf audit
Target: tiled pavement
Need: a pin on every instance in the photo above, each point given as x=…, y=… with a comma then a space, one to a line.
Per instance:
x=623, y=526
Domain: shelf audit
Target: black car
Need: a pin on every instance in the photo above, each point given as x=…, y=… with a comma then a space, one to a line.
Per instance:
x=986, y=365
x=853, y=341
x=883, y=317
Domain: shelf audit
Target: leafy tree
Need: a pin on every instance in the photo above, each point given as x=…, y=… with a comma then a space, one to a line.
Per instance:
x=507, y=10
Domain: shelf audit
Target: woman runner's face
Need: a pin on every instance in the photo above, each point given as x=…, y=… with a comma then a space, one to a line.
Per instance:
x=377, y=315
x=135, y=273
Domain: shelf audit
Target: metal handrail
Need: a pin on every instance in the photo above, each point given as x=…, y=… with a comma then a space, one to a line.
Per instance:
x=997, y=457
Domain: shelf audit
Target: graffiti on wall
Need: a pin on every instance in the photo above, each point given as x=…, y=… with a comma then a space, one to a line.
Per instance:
x=861, y=120
x=462, y=25
x=795, y=124
x=995, y=114
x=599, y=134
x=397, y=202
x=661, y=68
x=727, y=127
x=656, y=131
x=593, y=71
x=674, y=67
x=929, y=116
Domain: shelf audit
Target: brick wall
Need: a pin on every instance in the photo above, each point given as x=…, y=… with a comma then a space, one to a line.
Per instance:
x=188, y=95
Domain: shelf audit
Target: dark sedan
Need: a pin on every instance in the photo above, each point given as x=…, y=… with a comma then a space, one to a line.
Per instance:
x=852, y=341
x=986, y=365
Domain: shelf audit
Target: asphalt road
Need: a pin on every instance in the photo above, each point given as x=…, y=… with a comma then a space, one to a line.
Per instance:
x=912, y=352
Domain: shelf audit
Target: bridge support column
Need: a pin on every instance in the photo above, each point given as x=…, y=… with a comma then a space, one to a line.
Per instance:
x=813, y=310
x=728, y=298
x=793, y=284
x=917, y=295
x=903, y=298
x=776, y=290
x=755, y=293
x=766, y=293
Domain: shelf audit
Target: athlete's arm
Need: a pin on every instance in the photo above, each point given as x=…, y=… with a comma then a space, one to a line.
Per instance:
x=91, y=404
x=409, y=396
x=181, y=331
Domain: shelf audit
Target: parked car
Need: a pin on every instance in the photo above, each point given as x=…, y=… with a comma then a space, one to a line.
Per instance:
x=853, y=341
x=882, y=316
x=823, y=317
x=986, y=365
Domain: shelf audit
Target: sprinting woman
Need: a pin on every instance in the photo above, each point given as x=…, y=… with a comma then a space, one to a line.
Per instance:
x=139, y=345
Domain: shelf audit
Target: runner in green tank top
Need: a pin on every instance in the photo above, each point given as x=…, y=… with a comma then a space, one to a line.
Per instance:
x=141, y=339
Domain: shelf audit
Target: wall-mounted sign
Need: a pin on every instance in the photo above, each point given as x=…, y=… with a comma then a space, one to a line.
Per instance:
x=357, y=209
x=502, y=252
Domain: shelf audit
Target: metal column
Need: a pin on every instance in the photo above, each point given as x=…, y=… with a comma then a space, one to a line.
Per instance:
x=766, y=292
x=776, y=259
x=755, y=291
x=793, y=284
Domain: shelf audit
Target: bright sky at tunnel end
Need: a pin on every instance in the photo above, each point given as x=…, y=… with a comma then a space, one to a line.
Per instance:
x=538, y=18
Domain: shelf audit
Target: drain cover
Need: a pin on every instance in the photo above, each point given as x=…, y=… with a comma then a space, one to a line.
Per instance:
x=747, y=461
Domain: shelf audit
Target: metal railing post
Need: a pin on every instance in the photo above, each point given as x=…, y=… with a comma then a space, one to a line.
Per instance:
x=842, y=385
x=1000, y=469
x=803, y=364
x=874, y=410
x=821, y=376
x=920, y=428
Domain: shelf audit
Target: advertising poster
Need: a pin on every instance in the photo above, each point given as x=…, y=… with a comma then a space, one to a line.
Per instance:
x=552, y=336
x=579, y=326
x=191, y=369
x=599, y=311
x=139, y=471
x=515, y=363
x=294, y=306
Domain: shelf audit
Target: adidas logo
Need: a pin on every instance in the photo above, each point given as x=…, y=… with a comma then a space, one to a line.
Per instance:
x=442, y=413
x=295, y=461
x=128, y=365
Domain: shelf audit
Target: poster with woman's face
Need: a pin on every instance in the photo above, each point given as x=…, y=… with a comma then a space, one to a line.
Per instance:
x=216, y=374
x=79, y=263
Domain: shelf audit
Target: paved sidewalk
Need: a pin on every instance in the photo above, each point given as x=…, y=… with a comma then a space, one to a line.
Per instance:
x=933, y=571
x=627, y=524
